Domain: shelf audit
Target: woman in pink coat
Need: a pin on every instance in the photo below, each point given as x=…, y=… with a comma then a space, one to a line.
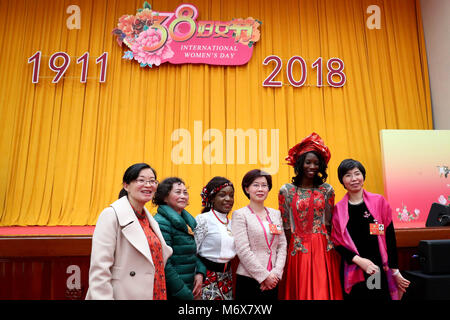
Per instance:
x=128, y=250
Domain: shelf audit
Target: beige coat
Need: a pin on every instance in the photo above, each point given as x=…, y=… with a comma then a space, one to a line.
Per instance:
x=251, y=246
x=121, y=261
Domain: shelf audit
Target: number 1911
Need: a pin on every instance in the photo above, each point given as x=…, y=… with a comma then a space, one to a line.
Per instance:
x=61, y=68
x=331, y=66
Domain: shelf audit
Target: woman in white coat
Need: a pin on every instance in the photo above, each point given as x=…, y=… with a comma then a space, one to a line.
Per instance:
x=128, y=250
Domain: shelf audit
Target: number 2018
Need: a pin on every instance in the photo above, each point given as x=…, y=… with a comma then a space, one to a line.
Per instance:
x=318, y=64
x=61, y=68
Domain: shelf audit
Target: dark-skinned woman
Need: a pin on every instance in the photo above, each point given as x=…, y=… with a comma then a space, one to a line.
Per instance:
x=215, y=242
x=306, y=205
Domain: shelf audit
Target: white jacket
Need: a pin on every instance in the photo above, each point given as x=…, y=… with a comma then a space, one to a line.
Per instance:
x=121, y=262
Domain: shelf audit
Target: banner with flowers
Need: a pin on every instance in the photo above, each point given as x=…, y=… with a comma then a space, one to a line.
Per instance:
x=415, y=174
x=177, y=37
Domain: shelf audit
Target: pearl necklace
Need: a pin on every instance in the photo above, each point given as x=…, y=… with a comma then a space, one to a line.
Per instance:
x=356, y=203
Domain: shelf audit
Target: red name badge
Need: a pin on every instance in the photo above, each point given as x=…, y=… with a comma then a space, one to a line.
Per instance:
x=377, y=229
x=274, y=229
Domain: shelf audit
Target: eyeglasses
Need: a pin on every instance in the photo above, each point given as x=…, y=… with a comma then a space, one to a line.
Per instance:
x=142, y=182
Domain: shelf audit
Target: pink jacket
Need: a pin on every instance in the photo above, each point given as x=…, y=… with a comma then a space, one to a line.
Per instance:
x=381, y=211
x=252, y=248
x=121, y=261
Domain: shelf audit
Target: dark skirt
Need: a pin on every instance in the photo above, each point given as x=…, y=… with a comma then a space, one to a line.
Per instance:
x=249, y=289
x=373, y=291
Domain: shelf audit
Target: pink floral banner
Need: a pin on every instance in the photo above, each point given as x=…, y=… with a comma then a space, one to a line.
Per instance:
x=416, y=175
x=176, y=37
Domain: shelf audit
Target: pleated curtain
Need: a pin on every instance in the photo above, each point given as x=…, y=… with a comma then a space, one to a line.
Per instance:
x=64, y=147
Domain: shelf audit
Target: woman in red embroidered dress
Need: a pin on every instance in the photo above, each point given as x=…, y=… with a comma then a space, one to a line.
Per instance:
x=306, y=204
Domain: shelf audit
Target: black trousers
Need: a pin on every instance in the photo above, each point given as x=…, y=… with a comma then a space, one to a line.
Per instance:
x=249, y=289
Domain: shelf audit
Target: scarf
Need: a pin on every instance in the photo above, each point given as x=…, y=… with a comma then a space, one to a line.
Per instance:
x=381, y=211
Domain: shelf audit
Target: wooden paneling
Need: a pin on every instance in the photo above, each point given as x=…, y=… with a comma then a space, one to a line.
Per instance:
x=46, y=246
x=43, y=278
x=411, y=237
x=38, y=267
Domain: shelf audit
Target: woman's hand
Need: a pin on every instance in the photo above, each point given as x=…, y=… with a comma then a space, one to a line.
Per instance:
x=198, y=282
x=269, y=283
x=368, y=266
x=401, y=282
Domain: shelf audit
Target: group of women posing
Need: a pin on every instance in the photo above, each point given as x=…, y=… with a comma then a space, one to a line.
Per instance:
x=308, y=249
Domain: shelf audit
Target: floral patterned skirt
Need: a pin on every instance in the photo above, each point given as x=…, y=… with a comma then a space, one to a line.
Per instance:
x=218, y=286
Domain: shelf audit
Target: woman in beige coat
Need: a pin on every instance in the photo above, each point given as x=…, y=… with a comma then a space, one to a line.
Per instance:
x=259, y=240
x=128, y=250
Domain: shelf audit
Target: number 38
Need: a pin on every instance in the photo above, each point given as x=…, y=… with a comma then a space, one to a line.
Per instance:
x=331, y=66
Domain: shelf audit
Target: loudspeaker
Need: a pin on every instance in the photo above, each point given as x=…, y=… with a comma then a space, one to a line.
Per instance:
x=426, y=287
x=439, y=215
x=434, y=256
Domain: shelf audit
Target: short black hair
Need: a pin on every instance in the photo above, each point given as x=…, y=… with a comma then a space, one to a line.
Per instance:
x=132, y=173
x=298, y=169
x=164, y=188
x=347, y=165
x=251, y=176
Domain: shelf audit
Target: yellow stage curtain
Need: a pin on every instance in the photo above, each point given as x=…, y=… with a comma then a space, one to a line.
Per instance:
x=64, y=147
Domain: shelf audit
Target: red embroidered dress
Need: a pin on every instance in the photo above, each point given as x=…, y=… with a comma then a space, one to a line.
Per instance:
x=312, y=265
x=159, y=284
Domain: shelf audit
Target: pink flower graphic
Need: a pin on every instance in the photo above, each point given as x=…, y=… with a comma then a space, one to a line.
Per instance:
x=146, y=40
x=126, y=24
x=244, y=37
x=442, y=200
x=404, y=216
x=145, y=15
